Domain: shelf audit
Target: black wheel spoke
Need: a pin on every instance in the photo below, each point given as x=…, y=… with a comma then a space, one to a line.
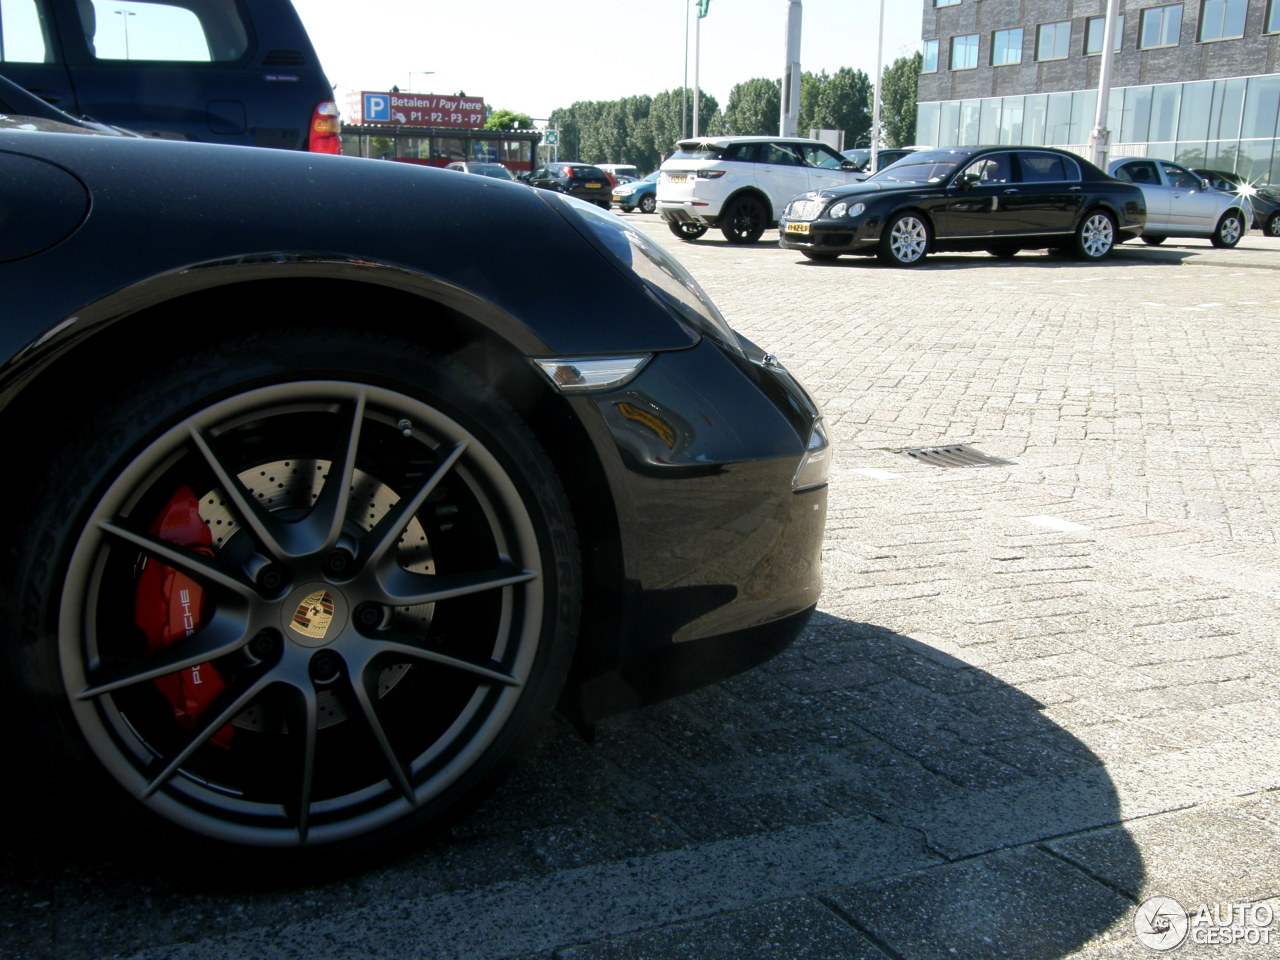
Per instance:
x=209, y=725
x=324, y=523
x=269, y=534
x=365, y=686
x=383, y=538
x=200, y=568
x=221, y=636
x=301, y=716
x=404, y=649
x=406, y=589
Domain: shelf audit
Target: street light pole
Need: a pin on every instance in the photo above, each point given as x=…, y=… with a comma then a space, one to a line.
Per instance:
x=684, y=87
x=875, y=100
x=126, y=14
x=1100, y=136
x=790, y=121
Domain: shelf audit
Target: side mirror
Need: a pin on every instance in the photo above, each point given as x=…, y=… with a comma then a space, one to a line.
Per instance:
x=850, y=166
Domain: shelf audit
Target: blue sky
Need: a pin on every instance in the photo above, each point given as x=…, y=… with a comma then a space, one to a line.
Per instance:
x=533, y=57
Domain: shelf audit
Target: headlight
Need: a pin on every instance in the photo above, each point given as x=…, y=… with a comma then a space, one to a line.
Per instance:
x=624, y=191
x=844, y=209
x=815, y=468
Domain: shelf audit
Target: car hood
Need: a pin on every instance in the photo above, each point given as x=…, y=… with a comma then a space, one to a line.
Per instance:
x=153, y=212
x=865, y=189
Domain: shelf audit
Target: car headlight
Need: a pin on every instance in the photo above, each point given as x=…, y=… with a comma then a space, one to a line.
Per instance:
x=815, y=467
x=624, y=191
x=846, y=209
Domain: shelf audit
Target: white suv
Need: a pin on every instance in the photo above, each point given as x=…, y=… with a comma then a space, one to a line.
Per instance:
x=742, y=184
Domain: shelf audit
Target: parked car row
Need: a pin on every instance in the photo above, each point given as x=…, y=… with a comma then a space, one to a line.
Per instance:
x=1000, y=199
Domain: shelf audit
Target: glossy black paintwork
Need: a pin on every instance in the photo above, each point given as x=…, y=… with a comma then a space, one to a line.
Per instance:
x=680, y=480
x=972, y=216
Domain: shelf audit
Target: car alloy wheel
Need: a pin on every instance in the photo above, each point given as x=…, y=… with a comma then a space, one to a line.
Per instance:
x=687, y=229
x=745, y=221
x=648, y=203
x=1229, y=230
x=906, y=242
x=1095, y=236
x=1272, y=228
x=320, y=593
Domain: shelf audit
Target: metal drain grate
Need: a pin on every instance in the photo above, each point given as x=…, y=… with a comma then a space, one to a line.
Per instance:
x=955, y=455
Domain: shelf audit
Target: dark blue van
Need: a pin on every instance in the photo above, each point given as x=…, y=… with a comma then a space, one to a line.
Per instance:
x=221, y=71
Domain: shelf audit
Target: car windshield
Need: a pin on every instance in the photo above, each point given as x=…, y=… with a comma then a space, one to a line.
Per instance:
x=921, y=168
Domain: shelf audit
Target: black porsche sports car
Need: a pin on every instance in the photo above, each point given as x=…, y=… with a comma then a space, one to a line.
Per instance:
x=998, y=199
x=328, y=500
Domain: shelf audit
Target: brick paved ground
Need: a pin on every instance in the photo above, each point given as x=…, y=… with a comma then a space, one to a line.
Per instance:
x=1035, y=694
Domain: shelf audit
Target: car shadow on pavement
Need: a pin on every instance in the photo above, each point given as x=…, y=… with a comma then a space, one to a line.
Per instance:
x=861, y=795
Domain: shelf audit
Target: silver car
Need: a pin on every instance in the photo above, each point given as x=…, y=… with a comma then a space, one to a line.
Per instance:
x=1181, y=203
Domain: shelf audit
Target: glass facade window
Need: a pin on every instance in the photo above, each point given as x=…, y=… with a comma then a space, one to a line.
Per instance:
x=1161, y=26
x=945, y=3
x=1006, y=47
x=1053, y=40
x=1229, y=124
x=1222, y=19
x=930, y=64
x=964, y=52
x=1093, y=29
x=1273, y=17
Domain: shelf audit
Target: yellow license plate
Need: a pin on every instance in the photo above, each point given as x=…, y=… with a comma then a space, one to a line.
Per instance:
x=675, y=178
x=616, y=199
x=797, y=228
x=593, y=186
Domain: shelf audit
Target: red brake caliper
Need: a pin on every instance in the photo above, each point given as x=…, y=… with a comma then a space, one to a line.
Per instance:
x=169, y=606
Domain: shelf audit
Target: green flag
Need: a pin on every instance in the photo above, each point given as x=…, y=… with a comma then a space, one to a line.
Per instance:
x=703, y=7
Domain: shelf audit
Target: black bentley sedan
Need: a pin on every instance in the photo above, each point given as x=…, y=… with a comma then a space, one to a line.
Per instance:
x=325, y=504
x=998, y=199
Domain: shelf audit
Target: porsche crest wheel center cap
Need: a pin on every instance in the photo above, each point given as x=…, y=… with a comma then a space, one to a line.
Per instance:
x=314, y=615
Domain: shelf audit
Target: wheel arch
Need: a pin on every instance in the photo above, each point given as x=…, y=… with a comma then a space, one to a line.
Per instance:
x=754, y=193
x=56, y=376
x=920, y=212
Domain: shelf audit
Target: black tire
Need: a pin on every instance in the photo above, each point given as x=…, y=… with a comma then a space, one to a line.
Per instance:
x=626, y=209
x=1153, y=241
x=745, y=221
x=686, y=229
x=905, y=241
x=1005, y=251
x=1229, y=230
x=648, y=203
x=1095, y=238
x=388, y=643
x=1272, y=227
x=820, y=256
x=604, y=204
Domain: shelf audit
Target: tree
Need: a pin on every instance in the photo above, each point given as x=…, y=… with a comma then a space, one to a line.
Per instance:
x=754, y=108
x=898, y=100
x=844, y=103
x=841, y=101
x=508, y=120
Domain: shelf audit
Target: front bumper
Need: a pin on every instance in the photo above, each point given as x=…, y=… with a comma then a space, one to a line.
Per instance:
x=831, y=236
x=721, y=558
